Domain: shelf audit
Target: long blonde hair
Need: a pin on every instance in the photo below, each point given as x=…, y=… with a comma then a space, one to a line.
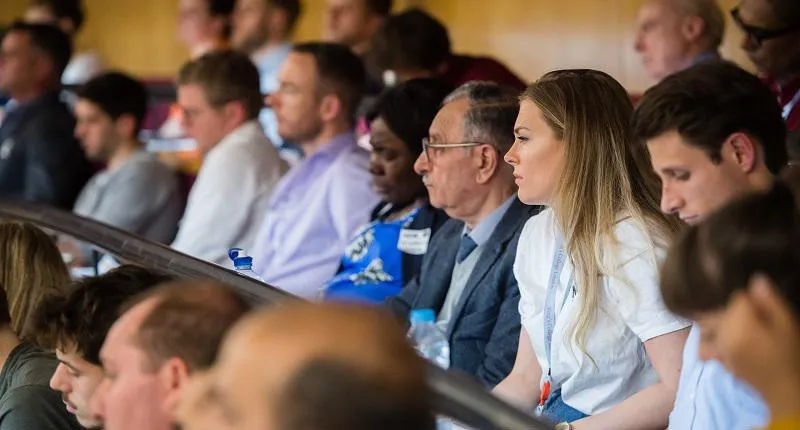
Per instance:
x=605, y=176
x=31, y=267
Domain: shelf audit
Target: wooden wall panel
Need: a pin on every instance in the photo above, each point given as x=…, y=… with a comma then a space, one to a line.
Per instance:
x=530, y=36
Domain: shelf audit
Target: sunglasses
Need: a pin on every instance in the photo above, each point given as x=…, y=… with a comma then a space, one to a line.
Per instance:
x=758, y=35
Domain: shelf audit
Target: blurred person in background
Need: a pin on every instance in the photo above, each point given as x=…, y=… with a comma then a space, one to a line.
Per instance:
x=68, y=15
x=75, y=324
x=30, y=269
x=738, y=275
x=714, y=133
x=672, y=35
x=354, y=23
x=262, y=29
x=321, y=202
x=161, y=339
x=598, y=347
x=220, y=97
x=387, y=253
x=771, y=39
x=40, y=159
x=414, y=44
x=340, y=367
x=204, y=25
x=135, y=191
x=466, y=276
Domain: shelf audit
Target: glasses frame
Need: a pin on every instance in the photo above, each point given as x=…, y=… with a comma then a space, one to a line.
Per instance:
x=427, y=145
x=758, y=35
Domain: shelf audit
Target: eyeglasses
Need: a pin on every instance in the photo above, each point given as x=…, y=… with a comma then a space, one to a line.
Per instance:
x=757, y=35
x=427, y=146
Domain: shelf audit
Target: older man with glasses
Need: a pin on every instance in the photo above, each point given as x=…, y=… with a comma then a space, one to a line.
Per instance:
x=772, y=41
x=466, y=275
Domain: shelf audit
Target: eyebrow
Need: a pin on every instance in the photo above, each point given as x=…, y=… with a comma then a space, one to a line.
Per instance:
x=68, y=364
x=520, y=128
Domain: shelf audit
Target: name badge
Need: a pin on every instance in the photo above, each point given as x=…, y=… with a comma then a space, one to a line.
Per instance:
x=414, y=242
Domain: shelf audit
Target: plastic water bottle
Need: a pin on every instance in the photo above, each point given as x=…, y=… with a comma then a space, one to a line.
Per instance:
x=430, y=341
x=431, y=344
x=243, y=263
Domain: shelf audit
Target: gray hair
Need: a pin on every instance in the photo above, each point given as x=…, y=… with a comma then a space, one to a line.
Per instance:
x=712, y=16
x=493, y=110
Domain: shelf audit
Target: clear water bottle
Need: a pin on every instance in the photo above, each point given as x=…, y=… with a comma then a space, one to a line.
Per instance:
x=430, y=341
x=243, y=263
x=431, y=344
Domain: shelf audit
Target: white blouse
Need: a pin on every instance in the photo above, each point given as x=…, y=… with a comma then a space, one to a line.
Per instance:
x=631, y=312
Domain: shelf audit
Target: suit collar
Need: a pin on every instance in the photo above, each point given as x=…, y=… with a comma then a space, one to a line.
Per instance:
x=495, y=249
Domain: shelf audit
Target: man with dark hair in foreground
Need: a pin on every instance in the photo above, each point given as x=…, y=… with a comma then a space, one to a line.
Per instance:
x=75, y=326
x=340, y=368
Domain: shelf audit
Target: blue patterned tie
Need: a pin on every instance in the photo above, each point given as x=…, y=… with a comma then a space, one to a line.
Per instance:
x=465, y=249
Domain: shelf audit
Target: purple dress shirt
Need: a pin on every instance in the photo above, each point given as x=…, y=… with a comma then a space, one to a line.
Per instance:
x=312, y=215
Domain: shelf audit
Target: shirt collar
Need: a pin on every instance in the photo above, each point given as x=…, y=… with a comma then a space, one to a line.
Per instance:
x=245, y=131
x=336, y=145
x=706, y=57
x=483, y=231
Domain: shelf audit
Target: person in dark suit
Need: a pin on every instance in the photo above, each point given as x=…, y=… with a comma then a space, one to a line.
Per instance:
x=40, y=160
x=466, y=275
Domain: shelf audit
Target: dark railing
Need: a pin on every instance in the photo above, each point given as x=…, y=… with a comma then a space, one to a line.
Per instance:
x=456, y=395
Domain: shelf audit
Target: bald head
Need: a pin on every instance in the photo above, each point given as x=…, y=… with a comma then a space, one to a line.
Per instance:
x=330, y=367
x=671, y=34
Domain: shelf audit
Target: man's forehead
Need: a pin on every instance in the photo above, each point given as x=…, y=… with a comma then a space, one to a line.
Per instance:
x=450, y=118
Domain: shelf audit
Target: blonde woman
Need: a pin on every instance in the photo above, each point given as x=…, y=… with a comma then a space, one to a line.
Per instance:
x=598, y=349
x=30, y=268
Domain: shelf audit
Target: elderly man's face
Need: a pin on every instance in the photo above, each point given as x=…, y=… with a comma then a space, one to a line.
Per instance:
x=449, y=167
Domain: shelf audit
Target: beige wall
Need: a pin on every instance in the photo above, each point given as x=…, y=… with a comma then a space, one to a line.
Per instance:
x=531, y=36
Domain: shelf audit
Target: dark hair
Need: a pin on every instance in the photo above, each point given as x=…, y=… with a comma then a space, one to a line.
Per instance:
x=117, y=94
x=292, y=9
x=409, y=108
x=223, y=9
x=333, y=394
x=188, y=321
x=69, y=9
x=493, y=111
x=49, y=39
x=379, y=7
x=757, y=234
x=81, y=318
x=411, y=40
x=787, y=11
x=340, y=72
x=707, y=103
x=226, y=76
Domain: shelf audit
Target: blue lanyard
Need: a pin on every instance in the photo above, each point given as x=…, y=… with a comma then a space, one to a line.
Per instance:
x=559, y=259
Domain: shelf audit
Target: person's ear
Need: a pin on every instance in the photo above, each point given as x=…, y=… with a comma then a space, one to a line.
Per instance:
x=692, y=28
x=488, y=161
x=768, y=306
x=173, y=376
x=330, y=107
x=125, y=126
x=743, y=151
x=234, y=113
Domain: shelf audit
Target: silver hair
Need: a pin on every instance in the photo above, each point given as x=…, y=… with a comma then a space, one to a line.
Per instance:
x=493, y=110
x=712, y=15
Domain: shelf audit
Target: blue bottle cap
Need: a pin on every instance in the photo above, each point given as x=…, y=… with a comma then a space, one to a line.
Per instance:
x=422, y=315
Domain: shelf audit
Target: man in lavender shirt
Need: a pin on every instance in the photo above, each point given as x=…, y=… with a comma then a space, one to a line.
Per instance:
x=320, y=203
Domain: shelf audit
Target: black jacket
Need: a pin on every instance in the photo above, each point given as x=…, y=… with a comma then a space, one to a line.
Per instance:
x=40, y=159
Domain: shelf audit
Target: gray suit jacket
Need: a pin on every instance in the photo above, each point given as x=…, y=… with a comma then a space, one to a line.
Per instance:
x=40, y=160
x=485, y=325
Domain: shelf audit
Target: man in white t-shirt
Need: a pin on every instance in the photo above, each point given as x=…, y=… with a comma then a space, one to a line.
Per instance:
x=220, y=97
x=714, y=132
